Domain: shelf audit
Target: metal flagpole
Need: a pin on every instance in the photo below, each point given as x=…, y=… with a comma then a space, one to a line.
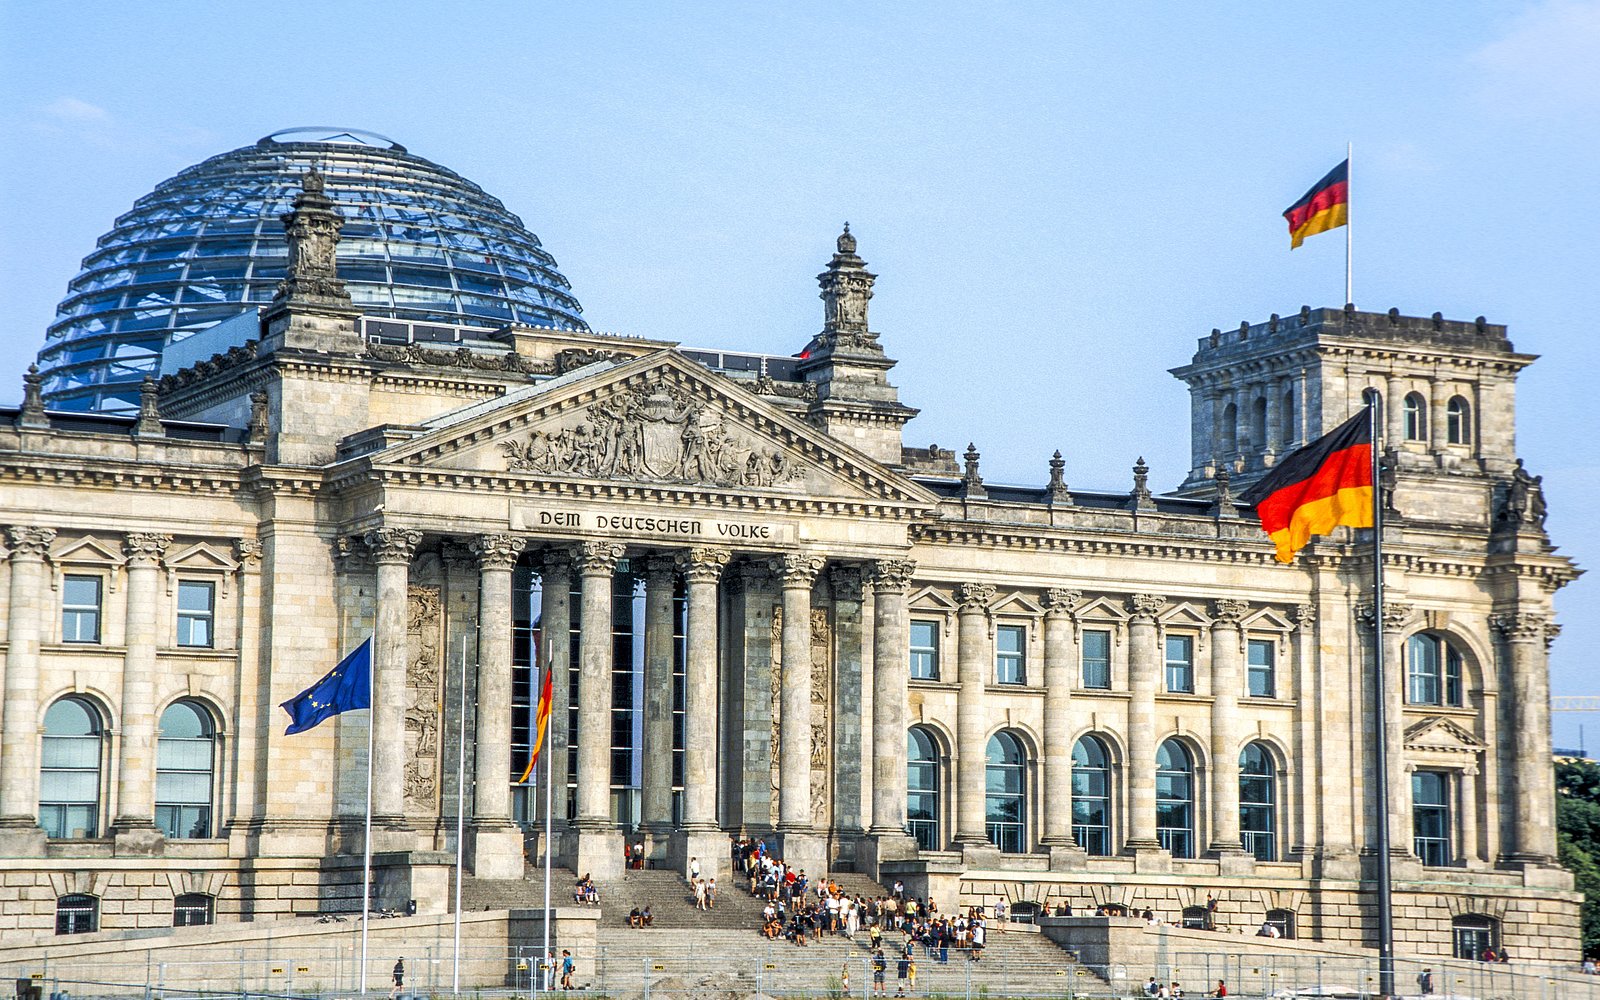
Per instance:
x=366, y=860
x=549, y=817
x=461, y=798
x=1380, y=684
x=1349, y=292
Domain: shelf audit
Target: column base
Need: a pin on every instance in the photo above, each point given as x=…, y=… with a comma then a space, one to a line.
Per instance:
x=21, y=837
x=1148, y=857
x=392, y=834
x=134, y=838
x=805, y=851
x=982, y=855
x=709, y=847
x=657, y=839
x=593, y=851
x=1066, y=856
x=494, y=850
x=1233, y=860
x=879, y=846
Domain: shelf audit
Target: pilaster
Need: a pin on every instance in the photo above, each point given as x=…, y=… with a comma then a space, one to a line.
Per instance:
x=20, y=834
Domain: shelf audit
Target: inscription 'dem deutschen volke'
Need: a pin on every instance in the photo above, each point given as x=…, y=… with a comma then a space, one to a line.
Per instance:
x=673, y=525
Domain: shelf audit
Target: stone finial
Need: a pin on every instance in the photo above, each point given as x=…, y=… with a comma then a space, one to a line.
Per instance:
x=1058, y=494
x=32, y=414
x=256, y=431
x=1139, y=498
x=313, y=228
x=846, y=289
x=149, y=422
x=313, y=182
x=846, y=242
x=1223, y=505
x=971, y=482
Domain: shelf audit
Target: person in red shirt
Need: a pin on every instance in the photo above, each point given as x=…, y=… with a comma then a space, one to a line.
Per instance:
x=1222, y=989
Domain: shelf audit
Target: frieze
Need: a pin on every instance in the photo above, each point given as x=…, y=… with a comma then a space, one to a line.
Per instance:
x=657, y=432
x=665, y=523
x=462, y=357
x=574, y=358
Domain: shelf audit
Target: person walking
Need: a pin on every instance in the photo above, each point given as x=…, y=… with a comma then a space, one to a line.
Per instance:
x=567, y=968
x=399, y=976
x=694, y=869
x=880, y=967
x=1425, y=982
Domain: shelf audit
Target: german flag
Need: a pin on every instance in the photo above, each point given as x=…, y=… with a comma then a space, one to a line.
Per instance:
x=541, y=723
x=1314, y=490
x=1326, y=206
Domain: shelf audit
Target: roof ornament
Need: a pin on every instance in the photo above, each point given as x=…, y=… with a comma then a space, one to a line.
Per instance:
x=1139, y=499
x=971, y=482
x=846, y=289
x=1223, y=506
x=1058, y=495
x=847, y=243
x=32, y=414
x=149, y=422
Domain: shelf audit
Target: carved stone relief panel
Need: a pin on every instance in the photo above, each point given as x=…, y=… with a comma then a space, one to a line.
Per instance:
x=821, y=713
x=657, y=432
x=424, y=621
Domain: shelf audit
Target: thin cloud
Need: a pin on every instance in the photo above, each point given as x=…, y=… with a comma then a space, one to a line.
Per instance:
x=71, y=109
x=1544, y=64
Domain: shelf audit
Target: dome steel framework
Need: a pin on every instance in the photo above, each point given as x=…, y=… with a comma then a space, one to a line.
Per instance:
x=420, y=242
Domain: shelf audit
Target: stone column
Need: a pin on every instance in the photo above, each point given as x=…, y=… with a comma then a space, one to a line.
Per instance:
x=134, y=828
x=1059, y=669
x=1530, y=783
x=1438, y=427
x=20, y=835
x=701, y=837
x=1144, y=671
x=1468, y=780
x=660, y=576
x=1226, y=683
x=597, y=846
x=888, y=840
x=392, y=549
x=1394, y=401
x=555, y=637
x=801, y=846
x=974, y=660
x=496, y=842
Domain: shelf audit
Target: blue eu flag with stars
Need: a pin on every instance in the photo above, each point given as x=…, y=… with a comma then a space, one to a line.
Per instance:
x=347, y=686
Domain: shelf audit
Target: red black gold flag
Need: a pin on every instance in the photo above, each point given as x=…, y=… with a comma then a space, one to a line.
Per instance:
x=541, y=723
x=1326, y=206
x=1317, y=488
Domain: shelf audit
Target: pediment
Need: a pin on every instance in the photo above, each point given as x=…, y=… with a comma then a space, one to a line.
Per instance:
x=88, y=549
x=1102, y=609
x=1016, y=603
x=1185, y=615
x=650, y=422
x=1266, y=620
x=1441, y=735
x=931, y=599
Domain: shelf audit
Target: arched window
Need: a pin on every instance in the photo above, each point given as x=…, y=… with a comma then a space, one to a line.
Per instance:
x=1258, y=423
x=922, y=788
x=1230, y=429
x=1433, y=671
x=1288, y=418
x=192, y=909
x=1416, y=417
x=1458, y=421
x=185, y=757
x=1091, y=796
x=1283, y=920
x=1175, y=799
x=1005, y=807
x=77, y=914
x=1474, y=936
x=69, y=770
x=1258, y=802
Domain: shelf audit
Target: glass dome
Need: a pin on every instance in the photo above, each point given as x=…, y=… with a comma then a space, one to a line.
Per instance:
x=420, y=242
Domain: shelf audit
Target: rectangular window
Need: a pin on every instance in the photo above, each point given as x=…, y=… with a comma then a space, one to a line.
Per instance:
x=1096, y=658
x=1430, y=811
x=196, y=610
x=1180, y=664
x=1009, y=664
x=924, y=651
x=1263, y=668
x=80, y=609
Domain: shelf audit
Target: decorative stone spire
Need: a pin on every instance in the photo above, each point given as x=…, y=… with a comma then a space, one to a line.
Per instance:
x=313, y=228
x=256, y=432
x=149, y=423
x=1059, y=497
x=1223, y=505
x=846, y=288
x=32, y=414
x=971, y=482
x=1140, y=499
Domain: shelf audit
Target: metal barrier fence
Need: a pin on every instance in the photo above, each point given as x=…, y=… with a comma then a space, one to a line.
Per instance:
x=769, y=970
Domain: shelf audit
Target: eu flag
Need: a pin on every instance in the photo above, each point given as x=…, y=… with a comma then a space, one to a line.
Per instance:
x=347, y=686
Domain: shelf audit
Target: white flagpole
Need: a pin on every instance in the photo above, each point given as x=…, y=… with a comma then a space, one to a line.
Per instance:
x=366, y=860
x=461, y=794
x=549, y=814
x=1349, y=293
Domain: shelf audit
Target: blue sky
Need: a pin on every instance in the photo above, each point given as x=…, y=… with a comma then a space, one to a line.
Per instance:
x=1059, y=199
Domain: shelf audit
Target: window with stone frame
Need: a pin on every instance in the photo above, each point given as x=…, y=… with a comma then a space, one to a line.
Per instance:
x=77, y=913
x=1095, y=658
x=1415, y=417
x=1458, y=421
x=924, y=650
x=1261, y=668
x=197, y=613
x=192, y=909
x=1180, y=664
x=72, y=755
x=81, y=608
x=1433, y=671
x=1430, y=817
x=1010, y=654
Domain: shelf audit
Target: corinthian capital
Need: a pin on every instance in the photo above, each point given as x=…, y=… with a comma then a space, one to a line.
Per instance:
x=145, y=548
x=393, y=545
x=247, y=550
x=1521, y=625
x=1395, y=614
x=705, y=563
x=799, y=570
x=1060, y=600
x=974, y=596
x=1228, y=613
x=1145, y=607
x=892, y=576
x=497, y=551
x=29, y=542
x=599, y=558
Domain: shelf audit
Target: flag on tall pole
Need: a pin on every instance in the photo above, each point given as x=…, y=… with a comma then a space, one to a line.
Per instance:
x=541, y=723
x=345, y=688
x=1326, y=206
x=1317, y=488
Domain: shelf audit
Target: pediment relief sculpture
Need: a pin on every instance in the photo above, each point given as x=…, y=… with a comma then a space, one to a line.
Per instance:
x=656, y=432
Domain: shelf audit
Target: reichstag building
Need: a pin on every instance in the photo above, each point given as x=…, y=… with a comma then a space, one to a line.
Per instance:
x=319, y=389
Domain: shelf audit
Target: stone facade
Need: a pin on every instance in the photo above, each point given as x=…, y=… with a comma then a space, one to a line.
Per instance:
x=1126, y=698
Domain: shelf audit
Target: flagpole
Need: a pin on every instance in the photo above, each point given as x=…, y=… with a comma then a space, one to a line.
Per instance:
x=1381, y=790
x=366, y=850
x=1349, y=291
x=549, y=814
x=461, y=798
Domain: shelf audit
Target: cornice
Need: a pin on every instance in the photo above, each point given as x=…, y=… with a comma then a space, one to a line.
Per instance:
x=100, y=474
